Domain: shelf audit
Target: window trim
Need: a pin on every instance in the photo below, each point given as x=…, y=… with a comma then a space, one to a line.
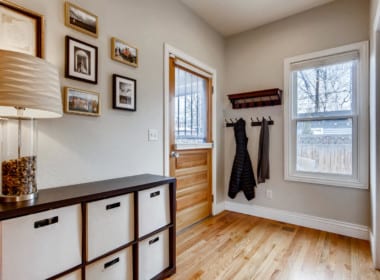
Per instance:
x=360, y=119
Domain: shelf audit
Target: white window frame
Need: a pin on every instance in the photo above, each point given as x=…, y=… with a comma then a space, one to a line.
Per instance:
x=360, y=125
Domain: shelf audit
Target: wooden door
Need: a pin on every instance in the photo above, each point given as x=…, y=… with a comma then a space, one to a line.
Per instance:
x=191, y=141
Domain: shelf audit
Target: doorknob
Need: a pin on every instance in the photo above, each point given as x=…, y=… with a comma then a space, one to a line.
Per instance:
x=174, y=154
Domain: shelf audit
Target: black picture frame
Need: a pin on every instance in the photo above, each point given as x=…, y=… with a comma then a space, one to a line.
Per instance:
x=81, y=61
x=124, y=93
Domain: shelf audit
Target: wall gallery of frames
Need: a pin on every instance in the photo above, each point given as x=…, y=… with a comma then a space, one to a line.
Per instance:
x=81, y=58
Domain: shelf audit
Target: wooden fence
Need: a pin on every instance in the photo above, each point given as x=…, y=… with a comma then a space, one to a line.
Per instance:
x=325, y=158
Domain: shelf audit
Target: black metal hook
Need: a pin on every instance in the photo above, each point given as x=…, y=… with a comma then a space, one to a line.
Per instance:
x=259, y=122
x=229, y=123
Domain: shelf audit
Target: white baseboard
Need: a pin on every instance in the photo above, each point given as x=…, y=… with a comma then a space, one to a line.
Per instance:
x=329, y=225
x=375, y=258
x=372, y=244
x=218, y=208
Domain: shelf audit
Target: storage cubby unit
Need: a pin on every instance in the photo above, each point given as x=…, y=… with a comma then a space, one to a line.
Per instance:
x=114, y=229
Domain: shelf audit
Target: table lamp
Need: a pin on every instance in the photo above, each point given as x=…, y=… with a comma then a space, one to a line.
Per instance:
x=29, y=90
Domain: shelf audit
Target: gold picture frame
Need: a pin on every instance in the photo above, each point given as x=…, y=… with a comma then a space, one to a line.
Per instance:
x=22, y=29
x=123, y=52
x=81, y=20
x=81, y=102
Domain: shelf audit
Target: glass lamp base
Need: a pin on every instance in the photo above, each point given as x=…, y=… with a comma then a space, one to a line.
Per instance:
x=18, y=158
x=18, y=198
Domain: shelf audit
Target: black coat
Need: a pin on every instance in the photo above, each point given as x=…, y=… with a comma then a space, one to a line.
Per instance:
x=242, y=177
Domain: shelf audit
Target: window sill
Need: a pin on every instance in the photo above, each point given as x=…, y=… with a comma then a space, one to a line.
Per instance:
x=193, y=146
x=339, y=182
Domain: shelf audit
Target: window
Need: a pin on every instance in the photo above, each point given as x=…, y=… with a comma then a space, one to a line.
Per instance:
x=326, y=117
x=190, y=107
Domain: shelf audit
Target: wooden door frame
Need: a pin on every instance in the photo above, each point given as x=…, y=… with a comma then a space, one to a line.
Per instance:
x=169, y=50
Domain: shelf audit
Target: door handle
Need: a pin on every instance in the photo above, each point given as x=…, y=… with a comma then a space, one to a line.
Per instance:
x=174, y=154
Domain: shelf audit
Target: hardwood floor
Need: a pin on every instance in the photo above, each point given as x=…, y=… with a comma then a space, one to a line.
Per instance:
x=238, y=246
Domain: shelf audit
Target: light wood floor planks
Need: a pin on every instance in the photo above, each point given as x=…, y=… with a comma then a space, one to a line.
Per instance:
x=237, y=246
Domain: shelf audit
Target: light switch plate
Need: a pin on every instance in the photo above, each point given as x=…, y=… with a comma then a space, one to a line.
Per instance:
x=152, y=134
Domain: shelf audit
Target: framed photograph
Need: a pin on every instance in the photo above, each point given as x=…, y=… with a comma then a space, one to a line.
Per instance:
x=21, y=30
x=82, y=102
x=81, y=61
x=124, y=52
x=124, y=93
x=81, y=20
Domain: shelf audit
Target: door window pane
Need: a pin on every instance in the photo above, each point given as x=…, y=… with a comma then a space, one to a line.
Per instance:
x=324, y=146
x=190, y=108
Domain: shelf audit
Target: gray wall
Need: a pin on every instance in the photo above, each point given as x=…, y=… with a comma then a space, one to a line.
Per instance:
x=77, y=149
x=254, y=60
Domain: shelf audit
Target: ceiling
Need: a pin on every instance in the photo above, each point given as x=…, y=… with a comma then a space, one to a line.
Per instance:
x=230, y=17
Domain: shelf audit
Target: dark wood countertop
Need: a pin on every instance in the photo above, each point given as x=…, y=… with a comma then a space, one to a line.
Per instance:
x=69, y=195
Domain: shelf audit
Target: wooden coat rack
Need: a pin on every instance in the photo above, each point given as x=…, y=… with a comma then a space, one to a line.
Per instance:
x=260, y=98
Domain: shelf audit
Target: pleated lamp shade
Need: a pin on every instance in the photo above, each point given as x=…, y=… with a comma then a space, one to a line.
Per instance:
x=28, y=83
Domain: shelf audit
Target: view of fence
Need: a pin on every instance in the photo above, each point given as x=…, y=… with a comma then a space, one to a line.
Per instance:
x=325, y=154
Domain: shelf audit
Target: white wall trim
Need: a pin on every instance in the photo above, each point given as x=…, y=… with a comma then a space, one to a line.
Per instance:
x=329, y=225
x=219, y=208
x=168, y=50
x=376, y=23
x=375, y=160
x=372, y=245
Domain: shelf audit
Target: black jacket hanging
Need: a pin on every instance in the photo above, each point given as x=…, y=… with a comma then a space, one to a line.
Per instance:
x=242, y=177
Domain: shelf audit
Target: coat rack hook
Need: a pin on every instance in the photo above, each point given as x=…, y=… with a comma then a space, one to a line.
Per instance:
x=257, y=119
x=270, y=118
x=231, y=120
